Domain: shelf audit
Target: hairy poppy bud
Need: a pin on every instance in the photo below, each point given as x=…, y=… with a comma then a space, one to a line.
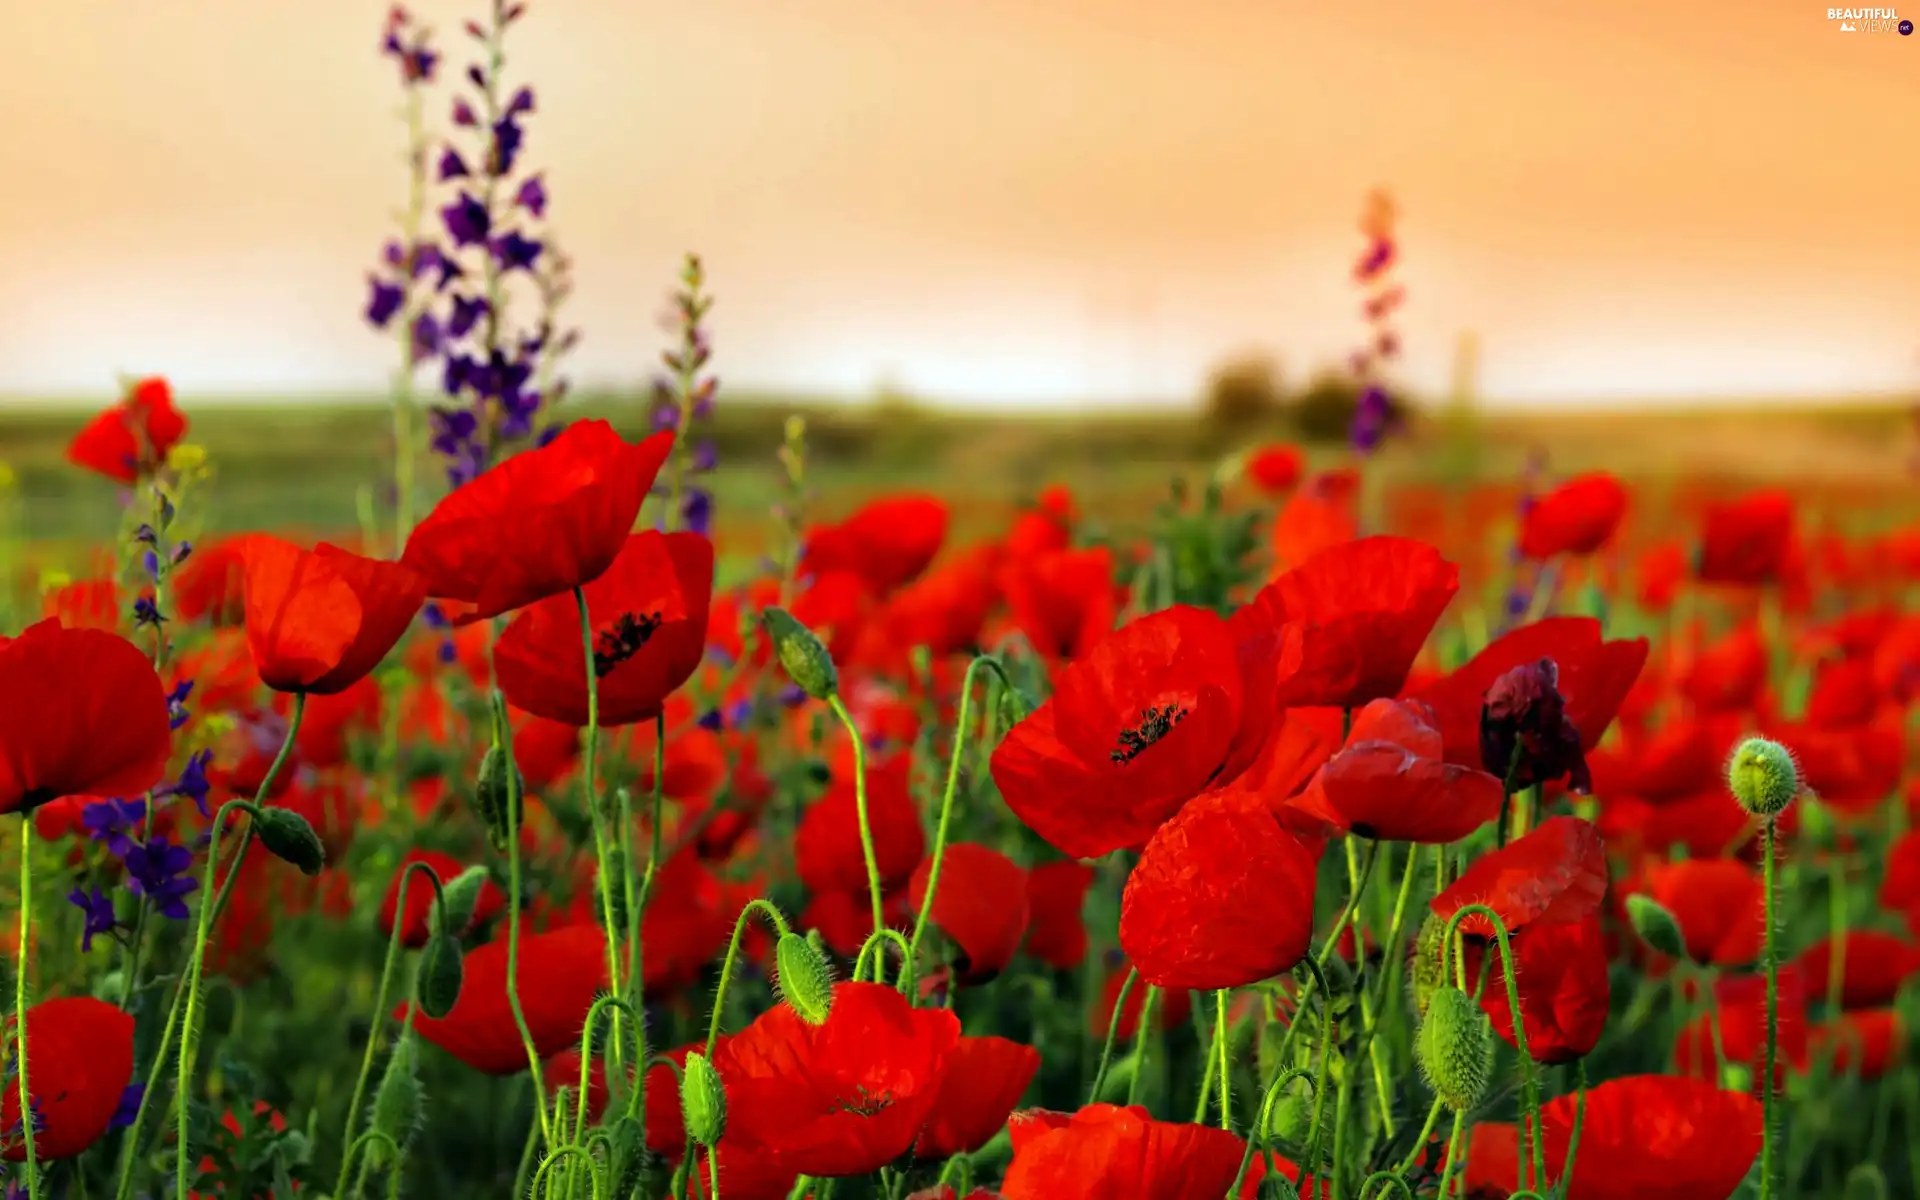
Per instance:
x=398, y=1103
x=491, y=795
x=1526, y=736
x=288, y=837
x=1426, y=974
x=630, y=1159
x=803, y=978
x=803, y=656
x=454, y=911
x=1455, y=1049
x=1763, y=777
x=439, y=975
x=1277, y=1187
x=703, y=1101
x=1290, y=1121
x=1015, y=705
x=1656, y=925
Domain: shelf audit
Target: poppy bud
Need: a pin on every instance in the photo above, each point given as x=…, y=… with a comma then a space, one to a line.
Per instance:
x=288, y=837
x=630, y=1160
x=801, y=654
x=1455, y=1049
x=1290, y=1121
x=1526, y=736
x=438, y=976
x=1277, y=1187
x=1015, y=705
x=1656, y=925
x=1426, y=974
x=398, y=1103
x=1763, y=777
x=454, y=912
x=803, y=978
x=703, y=1101
x=1866, y=1182
x=491, y=794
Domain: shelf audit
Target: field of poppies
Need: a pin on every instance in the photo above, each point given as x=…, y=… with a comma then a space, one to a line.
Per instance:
x=572, y=826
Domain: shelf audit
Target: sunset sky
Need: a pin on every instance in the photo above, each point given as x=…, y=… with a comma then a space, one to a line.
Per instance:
x=1013, y=202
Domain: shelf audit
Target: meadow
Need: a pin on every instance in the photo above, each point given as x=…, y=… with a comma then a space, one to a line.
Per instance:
x=494, y=791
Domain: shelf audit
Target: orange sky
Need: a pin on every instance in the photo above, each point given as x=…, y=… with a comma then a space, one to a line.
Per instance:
x=1008, y=201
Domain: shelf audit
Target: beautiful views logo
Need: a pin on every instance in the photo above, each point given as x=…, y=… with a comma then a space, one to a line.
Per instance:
x=1870, y=20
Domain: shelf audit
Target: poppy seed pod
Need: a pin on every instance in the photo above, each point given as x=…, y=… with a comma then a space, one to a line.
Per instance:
x=458, y=899
x=1763, y=777
x=1455, y=1049
x=703, y=1101
x=288, y=837
x=802, y=654
x=1426, y=973
x=803, y=978
x=1656, y=925
x=439, y=976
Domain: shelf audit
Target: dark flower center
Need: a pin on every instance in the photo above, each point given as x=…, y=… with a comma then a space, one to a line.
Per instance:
x=864, y=1103
x=1155, y=723
x=622, y=640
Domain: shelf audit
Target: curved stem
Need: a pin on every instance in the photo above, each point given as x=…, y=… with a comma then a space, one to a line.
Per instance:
x=356, y=1148
x=380, y=1013
x=1258, y=1133
x=1312, y=1164
x=600, y=1004
x=1772, y=958
x=20, y=1003
x=946, y=815
x=860, y=806
x=871, y=964
x=1113, y=1032
x=602, y=851
x=572, y=1152
x=1390, y=1179
x=190, y=985
x=779, y=923
x=503, y=737
x=1579, y=1124
x=1532, y=1166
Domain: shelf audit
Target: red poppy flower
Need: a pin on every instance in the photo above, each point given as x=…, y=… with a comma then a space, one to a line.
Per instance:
x=329, y=722
x=1162, y=709
x=539, y=524
x=1557, y=873
x=1739, y=1006
x=686, y=923
x=321, y=620
x=1064, y=601
x=130, y=438
x=1276, y=468
x=1185, y=920
x=1578, y=517
x=1056, y=901
x=984, y=1080
x=1391, y=783
x=1844, y=695
x=827, y=848
x=1105, y=1150
x=559, y=973
x=447, y=868
x=887, y=543
x=1643, y=1137
x=1365, y=609
x=1729, y=675
x=1718, y=904
x=1594, y=678
x=649, y=616
x=1852, y=771
x=211, y=584
x=87, y=604
x=1870, y=1042
x=1746, y=543
x=1873, y=967
x=79, y=1060
x=1560, y=969
x=842, y=1098
x=981, y=904
x=81, y=711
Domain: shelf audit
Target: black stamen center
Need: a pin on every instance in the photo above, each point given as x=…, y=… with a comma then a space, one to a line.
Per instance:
x=622, y=641
x=1155, y=723
x=865, y=1103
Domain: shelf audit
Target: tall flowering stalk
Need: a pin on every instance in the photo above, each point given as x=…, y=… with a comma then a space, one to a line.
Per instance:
x=397, y=297
x=1382, y=295
x=683, y=397
x=1525, y=583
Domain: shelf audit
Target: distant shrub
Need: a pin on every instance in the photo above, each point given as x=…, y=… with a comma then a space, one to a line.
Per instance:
x=1243, y=394
x=1324, y=412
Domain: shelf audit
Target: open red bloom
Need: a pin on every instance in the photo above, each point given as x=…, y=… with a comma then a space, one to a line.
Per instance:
x=1056, y=900
x=827, y=848
x=1870, y=1042
x=1162, y=709
x=1643, y=1137
x=81, y=711
x=1390, y=781
x=649, y=616
x=1365, y=608
x=1718, y=904
x=413, y=924
x=559, y=973
x=1747, y=543
x=984, y=1080
x=981, y=904
x=84, y=604
x=1594, y=678
x=211, y=584
x=1557, y=873
x=1560, y=969
x=1064, y=601
x=1276, y=468
x=1187, y=919
x=130, y=438
x=1105, y=1150
x=1578, y=517
x=846, y=1097
x=321, y=620
x=1873, y=967
x=539, y=524
x=79, y=1060
x=887, y=544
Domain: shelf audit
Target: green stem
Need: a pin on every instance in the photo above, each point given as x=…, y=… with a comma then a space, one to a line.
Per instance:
x=1113, y=1032
x=779, y=923
x=20, y=1003
x=503, y=736
x=574, y=1153
x=1140, y=1043
x=1220, y=1037
x=1453, y=1163
x=860, y=805
x=602, y=851
x=1579, y=1125
x=189, y=1021
x=1258, y=1133
x=1311, y=1167
x=1773, y=1015
x=1530, y=1094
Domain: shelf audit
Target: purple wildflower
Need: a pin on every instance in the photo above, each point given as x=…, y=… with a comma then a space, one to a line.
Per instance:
x=111, y=822
x=129, y=1106
x=98, y=910
x=159, y=871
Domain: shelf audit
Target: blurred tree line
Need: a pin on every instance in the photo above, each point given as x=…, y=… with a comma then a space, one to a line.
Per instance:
x=1247, y=397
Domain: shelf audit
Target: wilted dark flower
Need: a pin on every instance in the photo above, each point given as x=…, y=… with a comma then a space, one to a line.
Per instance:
x=1526, y=736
